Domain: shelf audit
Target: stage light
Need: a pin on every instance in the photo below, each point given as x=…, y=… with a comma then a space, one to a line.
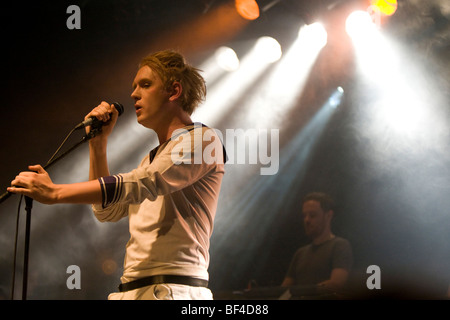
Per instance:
x=268, y=50
x=359, y=25
x=384, y=7
x=247, y=9
x=396, y=89
x=336, y=97
x=227, y=59
x=314, y=34
x=229, y=89
x=279, y=90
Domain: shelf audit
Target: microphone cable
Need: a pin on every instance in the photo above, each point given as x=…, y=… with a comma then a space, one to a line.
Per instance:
x=60, y=146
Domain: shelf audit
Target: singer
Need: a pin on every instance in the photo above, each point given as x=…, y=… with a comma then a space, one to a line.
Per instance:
x=170, y=206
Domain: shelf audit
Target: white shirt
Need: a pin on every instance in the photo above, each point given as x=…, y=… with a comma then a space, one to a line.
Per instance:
x=171, y=203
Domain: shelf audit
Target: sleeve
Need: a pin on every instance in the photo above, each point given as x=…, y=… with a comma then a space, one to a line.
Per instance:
x=112, y=213
x=182, y=162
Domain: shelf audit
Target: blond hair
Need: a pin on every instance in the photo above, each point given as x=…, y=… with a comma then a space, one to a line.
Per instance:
x=171, y=67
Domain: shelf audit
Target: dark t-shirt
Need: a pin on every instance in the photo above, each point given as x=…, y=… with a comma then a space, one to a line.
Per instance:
x=313, y=264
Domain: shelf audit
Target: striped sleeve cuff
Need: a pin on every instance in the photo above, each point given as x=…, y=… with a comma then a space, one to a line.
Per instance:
x=111, y=189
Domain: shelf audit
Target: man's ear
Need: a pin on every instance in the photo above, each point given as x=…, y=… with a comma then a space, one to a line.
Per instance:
x=176, y=91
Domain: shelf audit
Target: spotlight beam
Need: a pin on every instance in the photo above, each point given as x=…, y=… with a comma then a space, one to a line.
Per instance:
x=231, y=88
x=269, y=105
x=259, y=201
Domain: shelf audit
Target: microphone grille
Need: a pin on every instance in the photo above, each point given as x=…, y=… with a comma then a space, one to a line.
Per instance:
x=119, y=107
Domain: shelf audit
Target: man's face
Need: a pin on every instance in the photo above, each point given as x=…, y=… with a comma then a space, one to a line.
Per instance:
x=315, y=220
x=150, y=97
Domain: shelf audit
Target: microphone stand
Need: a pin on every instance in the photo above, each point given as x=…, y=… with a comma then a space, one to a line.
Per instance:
x=29, y=206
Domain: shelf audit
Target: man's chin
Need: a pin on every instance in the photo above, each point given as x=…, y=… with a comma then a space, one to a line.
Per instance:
x=309, y=234
x=146, y=124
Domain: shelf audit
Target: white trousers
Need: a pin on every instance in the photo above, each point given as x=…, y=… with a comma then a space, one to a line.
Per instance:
x=167, y=291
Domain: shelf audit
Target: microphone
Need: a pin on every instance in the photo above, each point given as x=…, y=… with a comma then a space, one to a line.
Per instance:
x=94, y=122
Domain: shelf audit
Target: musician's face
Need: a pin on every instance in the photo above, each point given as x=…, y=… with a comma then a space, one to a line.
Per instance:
x=150, y=97
x=315, y=220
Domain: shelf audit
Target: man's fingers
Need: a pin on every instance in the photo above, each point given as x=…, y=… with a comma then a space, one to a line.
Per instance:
x=37, y=168
x=104, y=110
x=19, y=185
x=101, y=112
x=18, y=190
x=114, y=110
x=24, y=178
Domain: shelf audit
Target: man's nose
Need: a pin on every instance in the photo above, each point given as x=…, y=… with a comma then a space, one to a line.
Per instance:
x=135, y=94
